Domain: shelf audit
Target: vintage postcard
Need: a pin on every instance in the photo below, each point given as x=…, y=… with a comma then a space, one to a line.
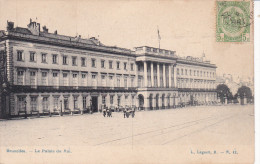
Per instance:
x=123, y=81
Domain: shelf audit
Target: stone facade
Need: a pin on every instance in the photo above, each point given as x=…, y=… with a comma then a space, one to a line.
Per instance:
x=50, y=72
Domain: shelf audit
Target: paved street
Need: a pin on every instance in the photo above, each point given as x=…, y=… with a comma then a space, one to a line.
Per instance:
x=203, y=125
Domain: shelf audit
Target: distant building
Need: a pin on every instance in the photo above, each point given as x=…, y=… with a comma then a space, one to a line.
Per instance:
x=47, y=72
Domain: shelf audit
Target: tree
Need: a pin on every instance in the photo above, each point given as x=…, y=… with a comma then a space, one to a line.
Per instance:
x=244, y=91
x=223, y=91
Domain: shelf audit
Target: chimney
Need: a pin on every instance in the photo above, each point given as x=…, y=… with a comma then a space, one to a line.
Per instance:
x=34, y=27
x=10, y=26
x=45, y=29
x=55, y=32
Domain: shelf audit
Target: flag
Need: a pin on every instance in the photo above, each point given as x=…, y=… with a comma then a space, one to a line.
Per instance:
x=159, y=37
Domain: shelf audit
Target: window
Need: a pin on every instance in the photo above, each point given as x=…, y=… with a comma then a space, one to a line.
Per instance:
x=83, y=76
x=84, y=102
x=83, y=62
x=64, y=60
x=56, y=102
x=118, y=65
x=125, y=66
x=178, y=72
x=118, y=81
x=75, y=102
x=132, y=82
x=20, y=78
x=45, y=104
x=186, y=72
x=110, y=65
x=54, y=59
x=93, y=61
x=44, y=58
x=54, y=74
x=19, y=56
x=66, y=103
x=132, y=66
x=44, y=78
x=194, y=73
x=74, y=61
x=65, y=75
x=93, y=76
x=200, y=73
x=33, y=103
x=65, y=79
x=103, y=99
x=74, y=75
x=190, y=73
x=32, y=78
x=102, y=63
x=111, y=99
x=125, y=82
x=181, y=71
x=21, y=104
x=32, y=56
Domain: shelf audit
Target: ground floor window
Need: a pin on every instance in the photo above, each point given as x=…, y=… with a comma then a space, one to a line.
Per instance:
x=33, y=103
x=103, y=99
x=66, y=103
x=133, y=100
x=21, y=104
x=56, y=102
x=84, y=102
x=111, y=99
x=119, y=100
x=75, y=102
x=45, y=104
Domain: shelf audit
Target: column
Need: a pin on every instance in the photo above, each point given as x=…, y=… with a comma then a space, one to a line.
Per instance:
x=152, y=75
x=164, y=76
x=170, y=76
x=174, y=76
x=158, y=75
x=145, y=74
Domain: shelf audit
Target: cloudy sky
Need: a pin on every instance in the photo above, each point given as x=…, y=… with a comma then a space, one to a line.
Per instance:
x=186, y=26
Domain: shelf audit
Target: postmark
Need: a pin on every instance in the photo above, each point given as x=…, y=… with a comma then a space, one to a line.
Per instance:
x=233, y=21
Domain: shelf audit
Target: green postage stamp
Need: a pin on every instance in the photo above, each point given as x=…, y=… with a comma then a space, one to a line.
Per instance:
x=233, y=21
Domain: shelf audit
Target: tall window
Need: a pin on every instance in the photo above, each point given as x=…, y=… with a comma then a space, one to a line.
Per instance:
x=32, y=78
x=84, y=102
x=118, y=65
x=181, y=71
x=33, y=103
x=83, y=62
x=21, y=103
x=64, y=60
x=65, y=79
x=103, y=99
x=54, y=59
x=102, y=63
x=19, y=55
x=111, y=99
x=110, y=64
x=178, y=71
x=186, y=73
x=93, y=61
x=44, y=78
x=132, y=66
x=20, y=77
x=118, y=81
x=190, y=73
x=32, y=56
x=56, y=102
x=74, y=60
x=45, y=104
x=132, y=81
x=66, y=103
x=75, y=102
x=84, y=79
x=44, y=58
x=75, y=79
x=125, y=82
x=125, y=66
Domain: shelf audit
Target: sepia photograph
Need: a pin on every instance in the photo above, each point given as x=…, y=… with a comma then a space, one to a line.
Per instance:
x=121, y=81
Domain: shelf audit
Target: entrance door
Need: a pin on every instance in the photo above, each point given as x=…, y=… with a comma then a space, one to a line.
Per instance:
x=94, y=104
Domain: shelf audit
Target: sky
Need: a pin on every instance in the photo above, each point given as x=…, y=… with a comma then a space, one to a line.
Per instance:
x=187, y=27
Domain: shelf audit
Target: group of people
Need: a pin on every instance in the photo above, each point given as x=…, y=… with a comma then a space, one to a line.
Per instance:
x=107, y=112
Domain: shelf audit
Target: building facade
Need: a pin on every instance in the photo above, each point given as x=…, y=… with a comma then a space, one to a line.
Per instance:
x=44, y=72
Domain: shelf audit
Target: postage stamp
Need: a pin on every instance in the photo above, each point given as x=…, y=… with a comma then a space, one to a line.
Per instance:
x=233, y=21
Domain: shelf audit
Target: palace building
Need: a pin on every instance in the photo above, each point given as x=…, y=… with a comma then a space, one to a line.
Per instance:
x=43, y=72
